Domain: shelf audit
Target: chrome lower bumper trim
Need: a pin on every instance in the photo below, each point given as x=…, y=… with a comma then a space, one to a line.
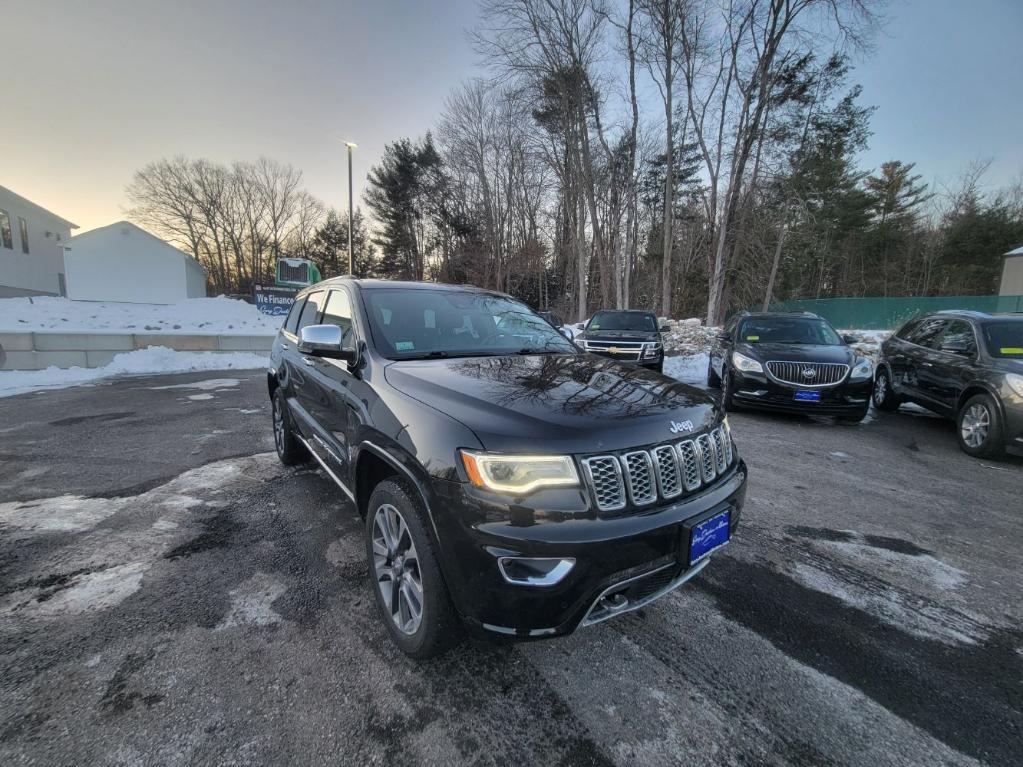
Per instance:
x=590, y=620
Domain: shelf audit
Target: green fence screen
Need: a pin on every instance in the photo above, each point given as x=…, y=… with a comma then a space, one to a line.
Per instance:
x=889, y=313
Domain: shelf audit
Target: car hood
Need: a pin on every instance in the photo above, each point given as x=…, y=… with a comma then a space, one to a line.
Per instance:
x=573, y=403
x=1008, y=365
x=620, y=335
x=798, y=353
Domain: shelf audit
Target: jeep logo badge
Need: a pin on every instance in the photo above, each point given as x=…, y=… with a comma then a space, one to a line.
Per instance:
x=678, y=426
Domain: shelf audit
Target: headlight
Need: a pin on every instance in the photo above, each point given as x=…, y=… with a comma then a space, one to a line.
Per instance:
x=1015, y=382
x=651, y=351
x=862, y=369
x=745, y=364
x=519, y=474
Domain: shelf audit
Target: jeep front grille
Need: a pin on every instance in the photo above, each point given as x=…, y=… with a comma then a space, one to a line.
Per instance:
x=808, y=374
x=605, y=478
x=642, y=477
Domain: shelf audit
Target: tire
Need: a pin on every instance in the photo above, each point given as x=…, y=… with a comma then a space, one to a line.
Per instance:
x=856, y=417
x=398, y=544
x=713, y=379
x=289, y=449
x=979, y=428
x=883, y=395
x=727, y=390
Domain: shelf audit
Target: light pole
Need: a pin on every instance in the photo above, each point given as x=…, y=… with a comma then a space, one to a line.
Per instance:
x=351, y=220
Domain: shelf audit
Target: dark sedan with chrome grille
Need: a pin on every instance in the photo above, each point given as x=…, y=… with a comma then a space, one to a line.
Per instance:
x=508, y=482
x=792, y=362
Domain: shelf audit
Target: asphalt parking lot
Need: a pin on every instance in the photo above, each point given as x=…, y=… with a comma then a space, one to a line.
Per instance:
x=170, y=594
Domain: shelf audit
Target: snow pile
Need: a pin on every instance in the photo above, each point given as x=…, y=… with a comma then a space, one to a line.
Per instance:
x=687, y=337
x=221, y=315
x=868, y=342
x=690, y=369
x=153, y=360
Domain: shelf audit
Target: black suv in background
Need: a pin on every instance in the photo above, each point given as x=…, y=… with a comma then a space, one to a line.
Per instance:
x=962, y=365
x=626, y=335
x=507, y=480
x=793, y=362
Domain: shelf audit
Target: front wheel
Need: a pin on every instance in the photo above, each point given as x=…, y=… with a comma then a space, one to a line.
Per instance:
x=727, y=390
x=713, y=379
x=289, y=449
x=884, y=395
x=410, y=592
x=980, y=428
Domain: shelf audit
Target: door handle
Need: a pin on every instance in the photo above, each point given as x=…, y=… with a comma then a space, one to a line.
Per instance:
x=285, y=347
x=309, y=361
x=927, y=364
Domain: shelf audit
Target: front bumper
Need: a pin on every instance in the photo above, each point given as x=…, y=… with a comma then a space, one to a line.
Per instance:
x=1014, y=427
x=646, y=548
x=653, y=364
x=756, y=390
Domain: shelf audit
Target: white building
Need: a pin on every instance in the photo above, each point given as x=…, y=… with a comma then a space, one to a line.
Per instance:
x=123, y=262
x=32, y=241
x=1012, y=273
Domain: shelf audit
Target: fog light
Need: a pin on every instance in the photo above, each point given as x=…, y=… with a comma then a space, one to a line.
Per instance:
x=530, y=571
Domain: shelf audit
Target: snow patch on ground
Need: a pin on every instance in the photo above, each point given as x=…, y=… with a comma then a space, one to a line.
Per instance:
x=221, y=315
x=904, y=611
x=251, y=602
x=209, y=384
x=691, y=369
x=152, y=360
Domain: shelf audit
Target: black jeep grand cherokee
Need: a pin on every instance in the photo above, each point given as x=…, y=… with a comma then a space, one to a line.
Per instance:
x=507, y=480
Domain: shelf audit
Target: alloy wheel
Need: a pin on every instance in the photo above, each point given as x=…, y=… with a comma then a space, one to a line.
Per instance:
x=880, y=388
x=975, y=425
x=396, y=565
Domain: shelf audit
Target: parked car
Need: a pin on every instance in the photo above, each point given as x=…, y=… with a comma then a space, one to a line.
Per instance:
x=554, y=319
x=963, y=365
x=508, y=481
x=625, y=335
x=793, y=362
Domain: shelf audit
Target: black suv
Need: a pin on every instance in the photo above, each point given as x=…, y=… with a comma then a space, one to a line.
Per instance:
x=507, y=480
x=963, y=365
x=794, y=362
x=627, y=335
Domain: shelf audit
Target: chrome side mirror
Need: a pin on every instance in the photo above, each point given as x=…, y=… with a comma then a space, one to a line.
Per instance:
x=324, y=341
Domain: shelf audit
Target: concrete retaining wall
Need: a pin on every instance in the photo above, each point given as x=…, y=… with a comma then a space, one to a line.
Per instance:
x=36, y=351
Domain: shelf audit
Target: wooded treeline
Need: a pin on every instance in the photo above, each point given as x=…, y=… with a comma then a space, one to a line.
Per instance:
x=238, y=220
x=690, y=156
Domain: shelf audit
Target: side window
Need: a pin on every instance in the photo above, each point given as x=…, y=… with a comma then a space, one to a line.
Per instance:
x=311, y=310
x=291, y=324
x=928, y=332
x=339, y=312
x=6, y=238
x=907, y=330
x=23, y=228
x=960, y=332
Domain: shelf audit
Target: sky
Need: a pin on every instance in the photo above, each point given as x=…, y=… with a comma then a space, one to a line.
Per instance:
x=94, y=90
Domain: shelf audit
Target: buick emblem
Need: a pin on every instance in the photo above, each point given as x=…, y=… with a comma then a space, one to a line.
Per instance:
x=809, y=372
x=678, y=426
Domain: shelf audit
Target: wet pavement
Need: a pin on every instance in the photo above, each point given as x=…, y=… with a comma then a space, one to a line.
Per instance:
x=170, y=594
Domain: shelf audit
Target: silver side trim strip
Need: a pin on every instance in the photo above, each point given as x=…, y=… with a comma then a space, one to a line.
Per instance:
x=326, y=468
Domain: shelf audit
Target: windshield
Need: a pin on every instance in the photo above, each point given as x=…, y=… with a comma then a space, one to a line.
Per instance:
x=788, y=330
x=1004, y=339
x=409, y=323
x=633, y=321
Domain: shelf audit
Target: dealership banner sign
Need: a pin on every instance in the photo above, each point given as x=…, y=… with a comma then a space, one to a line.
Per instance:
x=274, y=300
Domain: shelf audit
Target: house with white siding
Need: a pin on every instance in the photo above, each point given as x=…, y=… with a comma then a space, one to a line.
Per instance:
x=32, y=242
